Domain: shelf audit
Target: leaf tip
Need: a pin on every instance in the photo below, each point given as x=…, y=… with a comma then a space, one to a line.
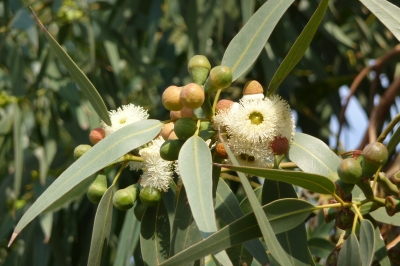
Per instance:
x=14, y=235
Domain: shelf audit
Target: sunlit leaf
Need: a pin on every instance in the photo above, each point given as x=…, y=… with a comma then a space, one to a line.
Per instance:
x=387, y=13
x=155, y=235
x=101, y=228
x=313, y=182
x=103, y=153
x=80, y=78
x=312, y=155
x=380, y=215
x=245, y=47
x=299, y=47
x=367, y=242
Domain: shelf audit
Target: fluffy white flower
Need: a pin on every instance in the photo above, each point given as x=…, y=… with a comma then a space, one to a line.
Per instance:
x=253, y=125
x=126, y=115
x=157, y=172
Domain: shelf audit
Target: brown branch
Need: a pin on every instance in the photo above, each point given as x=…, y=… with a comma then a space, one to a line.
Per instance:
x=357, y=81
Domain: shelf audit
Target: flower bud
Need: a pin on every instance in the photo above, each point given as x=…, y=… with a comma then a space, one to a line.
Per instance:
x=223, y=104
x=253, y=90
x=166, y=130
x=124, y=199
x=220, y=78
x=97, y=188
x=192, y=96
x=220, y=151
x=170, y=98
x=150, y=196
x=199, y=67
x=280, y=145
x=185, y=128
x=375, y=154
x=96, y=135
x=349, y=171
x=184, y=112
x=169, y=150
x=81, y=150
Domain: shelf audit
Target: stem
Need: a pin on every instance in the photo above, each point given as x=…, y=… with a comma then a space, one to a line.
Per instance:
x=338, y=199
x=376, y=178
x=207, y=109
x=357, y=211
x=288, y=165
x=119, y=173
x=216, y=101
x=389, y=128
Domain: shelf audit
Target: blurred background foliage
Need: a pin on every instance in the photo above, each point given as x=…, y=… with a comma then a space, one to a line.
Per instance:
x=131, y=51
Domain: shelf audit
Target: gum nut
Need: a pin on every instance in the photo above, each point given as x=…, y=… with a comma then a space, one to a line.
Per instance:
x=96, y=135
x=81, y=150
x=124, y=199
x=220, y=151
x=223, y=104
x=192, y=96
x=375, y=153
x=184, y=112
x=169, y=150
x=97, y=189
x=170, y=98
x=349, y=171
x=280, y=145
x=150, y=196
x=172, y=135
x=199, y=67
x=252, y=87
x=220, y=78
x=185, y=128
x=166, y=130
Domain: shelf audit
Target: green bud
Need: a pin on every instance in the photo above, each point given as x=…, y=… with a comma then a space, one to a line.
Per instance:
x=97, y=188
x=150, y=196
x=185, y=128
x=169, y=150
x=220, y=78
x=349, y=171
x=81, y=150
x=375, y=154
x=124, y=199
x=199, y=67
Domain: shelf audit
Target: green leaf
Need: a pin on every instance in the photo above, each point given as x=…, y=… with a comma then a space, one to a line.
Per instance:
x=195, y=168
x=313, y=182
x=228, y=209
x=320, y=247
x=299, y=48
x=387, y=13
x=46, y=223
x=312, y=155
x=367, y=242
x=283, y=215
x=394, y=140
x=80, y=78
x=245, y=47
x=103, y=153
x=101, y=228
x=380, y=249
x=350, y=252
x=245, y=204
x=268, y=234
x=128, y=239
x=380, y=215
x=18, y=150
x=155, y=235
x=185, y=232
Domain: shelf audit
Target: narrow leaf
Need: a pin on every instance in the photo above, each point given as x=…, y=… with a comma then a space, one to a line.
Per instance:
x=394, y=141
x=155, y=235
x=80, y=78
x=245, y=47
x=313, y=182
x=320, y=247
x=380, y=215
x=18, y=150
x=101, y=228
x=282, y=214
x=299, y=47
x=103, y=153
x=350, y=252
x=312, y=155
x=387, y=13
x=270, y=239
x=367, y=242
x=128, y=239
x=380, y=249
